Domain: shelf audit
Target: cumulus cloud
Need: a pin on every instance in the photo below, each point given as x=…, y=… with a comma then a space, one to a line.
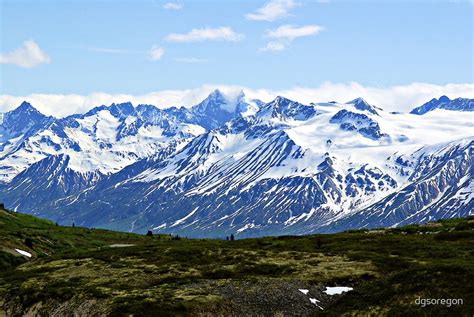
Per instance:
x=292, y=32
x=392, y=98
x=27, y=56
x=172, y=6
x=273, y=47
x=206, y=34
x=272, y=10
x=156, y=53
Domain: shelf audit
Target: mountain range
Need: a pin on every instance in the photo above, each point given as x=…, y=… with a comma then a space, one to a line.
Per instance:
x=241, y=166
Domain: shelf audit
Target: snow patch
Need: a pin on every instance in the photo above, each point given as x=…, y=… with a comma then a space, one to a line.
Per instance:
x=304, y=291
x=28, y=254
x=337, y=290
x=315, y=302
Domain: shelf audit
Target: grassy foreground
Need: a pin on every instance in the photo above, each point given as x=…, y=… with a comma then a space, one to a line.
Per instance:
x=82, y=271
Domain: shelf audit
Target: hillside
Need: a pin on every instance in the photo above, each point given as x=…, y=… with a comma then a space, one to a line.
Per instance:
x=90, y=271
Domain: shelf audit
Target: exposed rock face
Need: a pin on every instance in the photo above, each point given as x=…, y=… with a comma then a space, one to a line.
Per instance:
x=361, y=123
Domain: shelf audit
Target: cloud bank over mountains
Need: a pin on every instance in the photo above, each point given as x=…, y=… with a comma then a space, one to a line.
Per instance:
x=392, y=98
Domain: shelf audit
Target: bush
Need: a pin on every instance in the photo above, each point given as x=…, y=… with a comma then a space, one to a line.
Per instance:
x=29, y=243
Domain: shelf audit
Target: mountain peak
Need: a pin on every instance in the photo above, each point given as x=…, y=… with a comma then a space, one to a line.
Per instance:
x=213, y=111
x=25, y=109
x=216, y=92
x=122, y=104
x=363, y=105
x=21, y=119
x=216, y=95
x=286, y=108
x=358, y=101
x=25, y=106
x=241, y=95
x=122, y=110
x=215, y=101
x=282, y=100
x=444, y=98
x=280, y=103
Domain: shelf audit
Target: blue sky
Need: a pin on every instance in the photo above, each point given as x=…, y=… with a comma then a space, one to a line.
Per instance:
x=105, y=46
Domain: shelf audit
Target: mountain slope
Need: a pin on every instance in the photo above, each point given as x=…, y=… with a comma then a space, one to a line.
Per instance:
x=45, y=182
x=439, y=187
x=246, y=167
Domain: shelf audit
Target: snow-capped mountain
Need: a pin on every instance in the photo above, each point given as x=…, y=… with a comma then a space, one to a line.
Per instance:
x=246, y=167
x=46, y=181
x=91, y=145
x=17, y=122
x=458, y=104
x=104, y=140
x=440, y=186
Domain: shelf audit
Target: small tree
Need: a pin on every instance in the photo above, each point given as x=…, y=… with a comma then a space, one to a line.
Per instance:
x=318, y=243
x=232, y=238
x=149, y=233
x=73, y=225
x=29, y=243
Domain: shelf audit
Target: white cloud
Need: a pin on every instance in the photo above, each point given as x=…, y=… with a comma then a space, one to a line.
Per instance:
x=285, y=34
x=272, y=10
x=190, y=60
x=206, y=34
x=392, y=98
x=291, y=32
x=172, y=6
x=27, y=56
x=156, y=53
x=273, y=47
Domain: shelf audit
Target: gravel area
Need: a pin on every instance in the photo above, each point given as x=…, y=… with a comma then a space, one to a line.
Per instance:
x=274, y=298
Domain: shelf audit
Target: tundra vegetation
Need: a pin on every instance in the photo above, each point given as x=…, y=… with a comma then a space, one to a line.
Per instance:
x=94, y=271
